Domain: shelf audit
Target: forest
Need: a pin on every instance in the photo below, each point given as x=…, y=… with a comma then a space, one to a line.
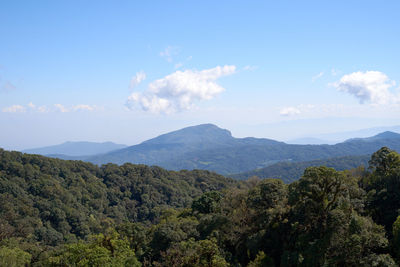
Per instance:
x=71, y=213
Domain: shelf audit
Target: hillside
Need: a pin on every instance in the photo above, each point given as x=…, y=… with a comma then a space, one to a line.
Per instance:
x=75, y=149
x=52, y=201
x=209, y=147
x=175, y=150
x=71, y=213
x=292, y=171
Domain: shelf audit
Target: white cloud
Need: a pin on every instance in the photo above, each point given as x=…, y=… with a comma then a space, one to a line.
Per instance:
x=75, y=108
x=61, y=108
x=83, y=107
x=290, y=111
x=369, y=86
x=334, y=72
x=178, y=65
x=316, y=77
x=42, y=109
x=169, y=52
x=137, y=79
x=179, y=90
x=14, y=109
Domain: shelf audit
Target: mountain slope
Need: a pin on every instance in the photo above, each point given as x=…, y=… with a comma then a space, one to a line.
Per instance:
x=291, y=171
x=75, y=149
x=54, y=200
x=211, y=148
x=171, y=148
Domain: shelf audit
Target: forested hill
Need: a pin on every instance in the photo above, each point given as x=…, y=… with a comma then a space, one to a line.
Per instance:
x=209, y=147
x=54, y=201
x=71, y=213
x=292, y=171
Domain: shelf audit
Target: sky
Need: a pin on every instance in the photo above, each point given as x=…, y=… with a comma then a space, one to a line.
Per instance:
x=127, y=71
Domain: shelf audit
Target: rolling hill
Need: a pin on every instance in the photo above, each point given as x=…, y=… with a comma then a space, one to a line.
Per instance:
x=291, y=171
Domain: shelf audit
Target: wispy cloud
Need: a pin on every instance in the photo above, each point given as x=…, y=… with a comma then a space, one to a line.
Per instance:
x=250, y=68
x=169, y=52
x=14, y=109
x=289, y=111
x=369, y=86
x=43, y=109
x=180, y=90
x=181, y=64
x=80, y=107
x=178, y=65
x=316, y=77
x=335, y=72
x=137, y=79
x=83, y=108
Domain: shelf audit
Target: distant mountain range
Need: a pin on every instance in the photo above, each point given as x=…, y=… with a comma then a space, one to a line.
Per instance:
x=334, y=138
x=209, y=147
x=72, y=150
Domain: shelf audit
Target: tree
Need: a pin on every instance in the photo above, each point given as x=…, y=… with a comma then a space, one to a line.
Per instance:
x=14, y=257
x=384, y=160
x=102, y=250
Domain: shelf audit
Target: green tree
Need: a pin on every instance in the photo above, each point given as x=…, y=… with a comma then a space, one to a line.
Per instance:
x=191, y=253
x=102, y=250
x=14, y=257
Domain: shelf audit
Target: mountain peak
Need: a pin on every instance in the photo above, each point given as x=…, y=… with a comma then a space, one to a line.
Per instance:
x=380, y=136
x=194, y=134
x=387, y=135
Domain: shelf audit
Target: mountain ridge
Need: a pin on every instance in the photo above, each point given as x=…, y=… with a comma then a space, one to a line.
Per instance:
x=211, y=148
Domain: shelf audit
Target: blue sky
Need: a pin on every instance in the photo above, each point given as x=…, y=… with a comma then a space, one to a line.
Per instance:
x=126, y=71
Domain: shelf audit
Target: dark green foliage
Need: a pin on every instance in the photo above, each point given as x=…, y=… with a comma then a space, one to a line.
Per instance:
x=207, y=203
x=383, y=187
x=102, y=250
x=292, y=171
x=70, y=213
x=53, y=202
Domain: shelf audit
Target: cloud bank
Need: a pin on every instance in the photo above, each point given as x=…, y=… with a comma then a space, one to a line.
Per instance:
x=180, y=90
x=289, y=111
x=369, y=86
x=14, y=109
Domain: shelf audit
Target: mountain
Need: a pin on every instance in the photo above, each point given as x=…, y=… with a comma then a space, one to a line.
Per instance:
x=70, y=150
x=291, y=171
x=338, y=137
x=211, y=148
x=363, y=133
x=172, y=150
x=381, y=136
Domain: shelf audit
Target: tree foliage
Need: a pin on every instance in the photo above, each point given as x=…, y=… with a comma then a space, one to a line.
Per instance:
x=71, y=213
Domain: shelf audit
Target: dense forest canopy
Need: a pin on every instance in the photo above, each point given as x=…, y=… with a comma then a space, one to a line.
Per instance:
x=71, y=213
